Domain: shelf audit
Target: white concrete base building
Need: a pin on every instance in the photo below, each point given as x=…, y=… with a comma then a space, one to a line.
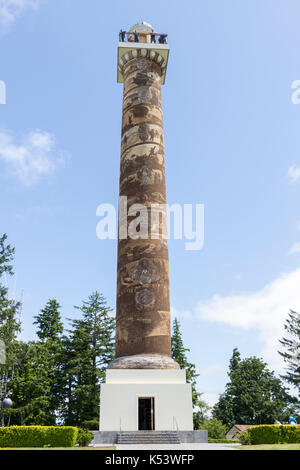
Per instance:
x=146, y=399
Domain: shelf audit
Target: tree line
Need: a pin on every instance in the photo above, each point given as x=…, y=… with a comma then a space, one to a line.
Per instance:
x=56, y=379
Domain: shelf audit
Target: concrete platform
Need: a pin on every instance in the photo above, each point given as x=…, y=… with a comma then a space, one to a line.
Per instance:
x=186, y=437
x=181, y=447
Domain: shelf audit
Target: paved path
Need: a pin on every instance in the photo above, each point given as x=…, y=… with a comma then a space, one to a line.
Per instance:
x=175, y=447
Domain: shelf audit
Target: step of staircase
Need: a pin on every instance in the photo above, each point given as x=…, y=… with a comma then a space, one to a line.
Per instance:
x=148, y=437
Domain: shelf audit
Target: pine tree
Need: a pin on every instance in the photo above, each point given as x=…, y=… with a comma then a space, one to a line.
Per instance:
x=87, y=352
x=7, y=253
x=9, y=324
x=50, y=326
x=178, y=349
x=38, y=384
x=31, y=386
x=179, y=355
x=49, y=331
x=291, y=353
x=9, y=309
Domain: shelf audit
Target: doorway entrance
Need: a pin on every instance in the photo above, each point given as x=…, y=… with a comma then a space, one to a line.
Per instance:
x=146, y=414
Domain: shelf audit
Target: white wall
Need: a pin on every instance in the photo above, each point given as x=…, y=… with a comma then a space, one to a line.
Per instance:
x=119, y=400
x=126, y=376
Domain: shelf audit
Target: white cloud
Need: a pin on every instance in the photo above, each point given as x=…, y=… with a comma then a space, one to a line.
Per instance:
x=264, y=310
x=294, y=173
x=10, y=10
x=33, y=158
x=295, y=248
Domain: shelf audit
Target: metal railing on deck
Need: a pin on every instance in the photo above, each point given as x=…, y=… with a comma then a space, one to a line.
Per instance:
x=175, y=424
x=151, y=38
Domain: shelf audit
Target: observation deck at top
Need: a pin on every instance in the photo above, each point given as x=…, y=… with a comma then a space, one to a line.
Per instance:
x=143, y=37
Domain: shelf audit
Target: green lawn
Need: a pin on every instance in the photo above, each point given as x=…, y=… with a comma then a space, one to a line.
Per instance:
x=270, y=447
x=58, y=448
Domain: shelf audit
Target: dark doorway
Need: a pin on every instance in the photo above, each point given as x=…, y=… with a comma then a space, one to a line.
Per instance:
x=146, y=414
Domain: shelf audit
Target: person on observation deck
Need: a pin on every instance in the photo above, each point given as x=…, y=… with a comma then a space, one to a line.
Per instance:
x=136, y=37
x=153, y=40
x=162, y=39
x=122, y=35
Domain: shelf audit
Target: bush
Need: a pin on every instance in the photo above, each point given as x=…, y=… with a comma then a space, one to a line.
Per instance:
x=290, y=434
x=245, y=438
x=274, y=434
x=38, y=436
x=91, y=425
x=84, y=437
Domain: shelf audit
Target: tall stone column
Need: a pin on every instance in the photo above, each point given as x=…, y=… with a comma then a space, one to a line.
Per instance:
x=143, y=338
x=132, y=398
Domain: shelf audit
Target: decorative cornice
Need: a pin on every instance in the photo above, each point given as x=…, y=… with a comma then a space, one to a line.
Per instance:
x=142, y=53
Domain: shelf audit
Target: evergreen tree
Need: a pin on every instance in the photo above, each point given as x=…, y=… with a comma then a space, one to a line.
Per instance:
x=291, y=353
x=87, y=353
x=9, y=309
x=50, y=326
x=253, y=395
x=6, y=256
x=179, y=355
x=9, y=324
x=49, y=332
x=31, y=386
x=69, y=362
x=38, y=384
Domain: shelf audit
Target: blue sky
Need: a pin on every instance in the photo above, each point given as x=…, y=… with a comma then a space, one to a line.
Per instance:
x=231, y=143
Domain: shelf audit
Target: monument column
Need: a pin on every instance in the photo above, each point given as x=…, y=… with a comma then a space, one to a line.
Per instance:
x=144, y=389
x=143, y=337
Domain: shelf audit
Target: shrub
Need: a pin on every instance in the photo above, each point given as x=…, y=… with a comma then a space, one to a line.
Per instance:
x=245, y=438
x=84, y=437
x=274, y=434
x=91, y=425
x=38, y=436
x=290, y=434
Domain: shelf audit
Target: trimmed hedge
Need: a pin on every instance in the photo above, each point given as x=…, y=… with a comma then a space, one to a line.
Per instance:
x=274, y=434
x=38, y=436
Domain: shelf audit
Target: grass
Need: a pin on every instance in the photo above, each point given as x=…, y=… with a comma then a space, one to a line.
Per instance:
x=58, y=448
x=270, y=447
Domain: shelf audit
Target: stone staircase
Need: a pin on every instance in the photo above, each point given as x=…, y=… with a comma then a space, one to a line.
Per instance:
x=148, y=437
